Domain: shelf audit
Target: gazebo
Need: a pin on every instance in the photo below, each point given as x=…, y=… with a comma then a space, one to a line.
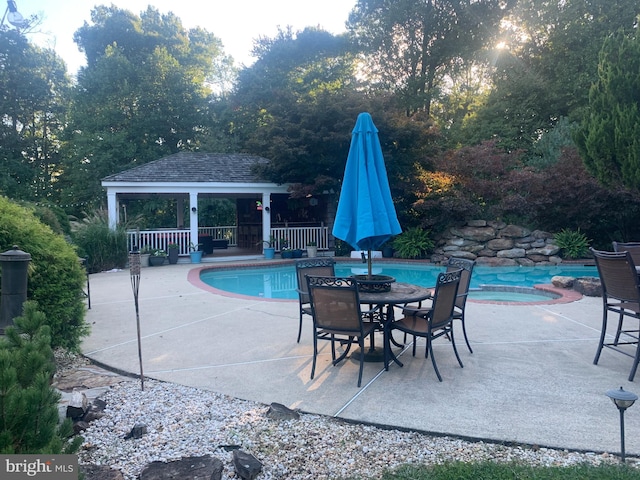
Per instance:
x=188, y=176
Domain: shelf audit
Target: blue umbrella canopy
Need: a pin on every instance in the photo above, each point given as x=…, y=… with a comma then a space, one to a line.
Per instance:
x=366, y=216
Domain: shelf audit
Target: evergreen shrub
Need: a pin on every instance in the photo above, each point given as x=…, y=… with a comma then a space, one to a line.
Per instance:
x=56, y=278
x=29, y=420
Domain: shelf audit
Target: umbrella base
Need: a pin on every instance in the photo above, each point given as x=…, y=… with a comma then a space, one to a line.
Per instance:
x=375, y=354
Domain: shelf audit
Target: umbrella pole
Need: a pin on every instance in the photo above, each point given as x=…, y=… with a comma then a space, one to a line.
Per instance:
x=369, y=263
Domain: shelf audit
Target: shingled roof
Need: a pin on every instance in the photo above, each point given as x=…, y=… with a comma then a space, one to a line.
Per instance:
x=194, y=167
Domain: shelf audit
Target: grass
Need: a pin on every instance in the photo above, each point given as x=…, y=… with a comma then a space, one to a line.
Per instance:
x=511, y=471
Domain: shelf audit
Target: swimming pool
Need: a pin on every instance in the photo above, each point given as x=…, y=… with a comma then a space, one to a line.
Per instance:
x=279, y=282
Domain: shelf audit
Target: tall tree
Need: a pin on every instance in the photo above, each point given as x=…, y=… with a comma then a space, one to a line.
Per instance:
x=546, y=68
x=33, y=106
x=143, y=94
x=410, y=44
x=609, y=135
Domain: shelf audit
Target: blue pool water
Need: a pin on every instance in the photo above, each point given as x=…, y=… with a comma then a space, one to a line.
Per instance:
x=280, y=281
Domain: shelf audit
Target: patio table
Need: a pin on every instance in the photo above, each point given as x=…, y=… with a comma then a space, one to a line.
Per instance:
x=400, y=293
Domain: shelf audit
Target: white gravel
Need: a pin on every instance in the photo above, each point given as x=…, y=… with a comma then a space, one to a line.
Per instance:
x=183, y=421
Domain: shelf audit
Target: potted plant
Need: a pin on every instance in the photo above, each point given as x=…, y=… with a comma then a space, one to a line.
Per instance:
x=285, y=251
x=387, y=249
x=312, y=249
x=269, y=250
x=145, y=254
x=173, y=253
x=157, y=258
x=195, y=253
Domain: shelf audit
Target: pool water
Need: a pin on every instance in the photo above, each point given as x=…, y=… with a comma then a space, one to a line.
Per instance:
x=280, y=281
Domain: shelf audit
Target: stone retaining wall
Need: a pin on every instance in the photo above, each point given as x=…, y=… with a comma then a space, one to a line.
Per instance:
x=495, y=243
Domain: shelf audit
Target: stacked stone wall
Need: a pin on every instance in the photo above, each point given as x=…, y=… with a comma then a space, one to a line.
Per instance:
x=497, y=243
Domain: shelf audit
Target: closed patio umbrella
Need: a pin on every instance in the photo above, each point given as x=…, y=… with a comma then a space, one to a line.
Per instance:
x=366, y=216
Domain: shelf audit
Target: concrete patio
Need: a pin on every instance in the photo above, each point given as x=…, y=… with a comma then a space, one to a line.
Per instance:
x=530, y=379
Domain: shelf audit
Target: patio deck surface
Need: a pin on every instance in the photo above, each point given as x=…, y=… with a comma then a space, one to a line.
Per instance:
x=530, y=379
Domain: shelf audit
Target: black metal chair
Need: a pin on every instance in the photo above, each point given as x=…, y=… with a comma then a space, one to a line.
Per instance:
x=436, y=321
x=335, y=308
x=318, y=266
x=620, y=295
x=453, y=264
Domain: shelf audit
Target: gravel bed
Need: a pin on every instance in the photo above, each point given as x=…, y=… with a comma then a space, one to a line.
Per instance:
x=183, y=421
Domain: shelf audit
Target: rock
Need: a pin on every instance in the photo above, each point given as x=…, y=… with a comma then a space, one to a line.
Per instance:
x=525, y=262
x=77, y=406
x=514, y=231
x=462, y=254
x=547, y=250
x=247, y=466
x=512, y=253
x=187, y=468
x=100, y=472
x=588, y=286
x=277, y=411
x=562, y=282
x=500, y=244
x=478, y=234
x=80, y=426
x=138, y=430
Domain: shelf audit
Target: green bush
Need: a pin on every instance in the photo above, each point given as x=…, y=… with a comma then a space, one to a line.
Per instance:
x=29, y=421
x=573, y=243
x=103, y=247
x=56, y=277
x=413, y=243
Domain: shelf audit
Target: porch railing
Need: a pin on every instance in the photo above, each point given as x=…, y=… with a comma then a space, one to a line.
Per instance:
x=296, y=237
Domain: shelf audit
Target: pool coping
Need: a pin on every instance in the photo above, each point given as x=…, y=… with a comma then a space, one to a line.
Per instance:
x=565, y=295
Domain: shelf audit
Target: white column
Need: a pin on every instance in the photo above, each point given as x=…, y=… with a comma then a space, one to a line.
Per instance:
x=193, y=218
x=112, y=207
x=266, y=217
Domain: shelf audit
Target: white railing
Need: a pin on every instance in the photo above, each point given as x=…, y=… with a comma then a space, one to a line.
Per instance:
x=299, y=237
x=296, y=237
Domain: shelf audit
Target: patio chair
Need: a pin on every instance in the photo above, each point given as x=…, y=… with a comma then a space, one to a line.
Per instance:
x=436, y=321
x=620, y=295
x=310, y=266
x=632, y=247
x=337, y=316
x=461, y=299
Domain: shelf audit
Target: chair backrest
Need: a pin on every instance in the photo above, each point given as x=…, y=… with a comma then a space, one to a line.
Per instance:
x=444, y=297
x=632, y=247
x=618, y=275
x=465, y=278
x=318, y=266
x=335, y=303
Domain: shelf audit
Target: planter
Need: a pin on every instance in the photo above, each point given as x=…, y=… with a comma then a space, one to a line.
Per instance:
x=286, y=254
x=196, y=257
x=387, y=252
x=144, y=259
x=173, y=256
x=269, y=253
x=297, y=253
x=312, y=251
x=156, y=261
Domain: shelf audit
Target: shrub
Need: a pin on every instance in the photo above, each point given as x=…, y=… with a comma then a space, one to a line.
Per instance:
x=573, y=243
x=413, y=243
x=29, y=417
x=56, y=277
x=103, y=247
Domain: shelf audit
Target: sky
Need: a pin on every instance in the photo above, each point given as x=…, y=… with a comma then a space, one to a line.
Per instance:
x=236, y=22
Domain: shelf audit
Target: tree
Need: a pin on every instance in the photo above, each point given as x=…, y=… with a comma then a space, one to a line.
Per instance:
x=409, y=45
x=28, y=402
x=142, y=95
x=609, y=135
x=546, y=66
x=33, y=109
